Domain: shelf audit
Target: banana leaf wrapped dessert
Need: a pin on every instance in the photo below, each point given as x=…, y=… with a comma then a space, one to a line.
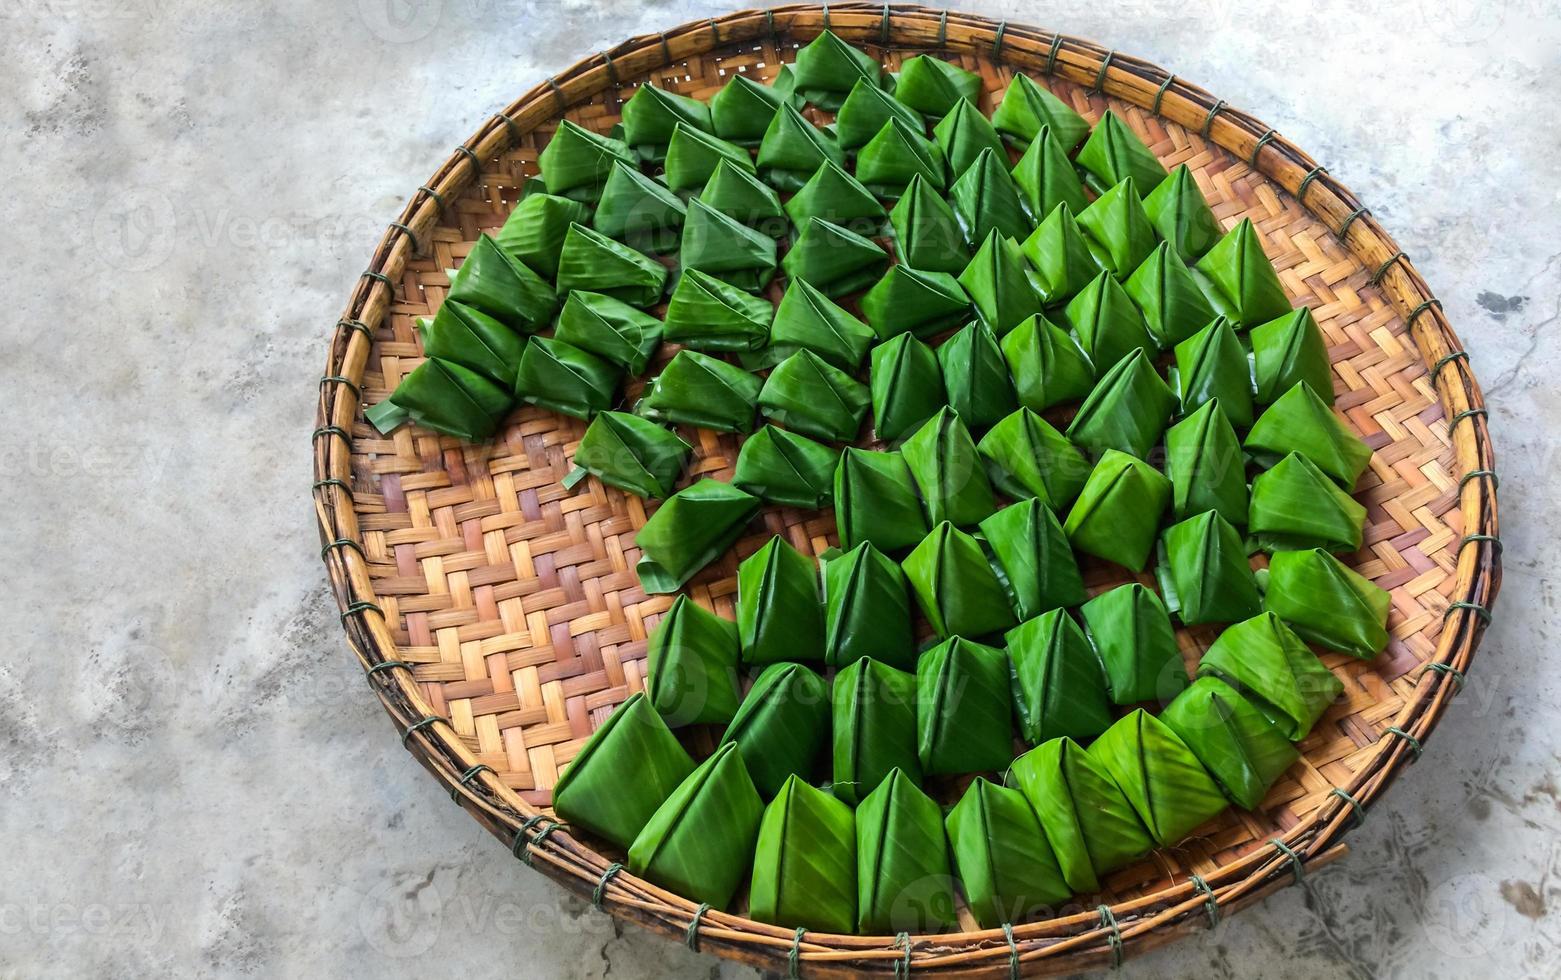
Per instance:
x=781, y=467
x=1113, y=152
x=651, y=114
x=834, y=195
x=1047, y=365
x=780, y=614
x=1061, y=264
x=827, y=68
x=689, y=530
x=1028, y=107
x=592, y=261
x=897, y=154
x=693, y=156
x=804, y=864
x=562, y=377
x=975, y=376
x=867, y=611
x=907, y=386
x=1240, y=281
x=640, y=212
x=1132, y=635
x=998, y=282
x=1205, y=575
x=1033, y=558
x=931, y=86
x=742, y=110
x=1328, y=603
x=963, y=133
x=691, y=657
x=806, y=319
x=1296, y=505
x=1264, y=659
x=1301, y=422
x=903, y=877
x=677, y=849
x=1159, y=775
x=610, y=329
x=700, y=390
x=874, y=722
x=781, y=725
x=955, y=586
x=1211, y=364
x=909, y=300
x=1168, y=296
x=1107, y=323
x=1006, y=867
x=926, y=232
x=1288, y=351
x=1058, y=689
x=1046, y=178
x=793, y=149
x=630, y=453
x=1026, y=457
x=948, y=470
x=534, y=232
x=1181, y=216
x=866, y=110
x=807, y=394
x=875, y=500
x=575, y=163
x=447, y=398
x=962, y=708
x=1117, y=229
x=985, y=200
x=738, y=193
x=835, y=259
x=726, y=248
x=1240, y=747
x=1127, y=411
x=710, y=314
x=1207, y=470
x=473, y=339
x=1118, y=512
x=493, y=282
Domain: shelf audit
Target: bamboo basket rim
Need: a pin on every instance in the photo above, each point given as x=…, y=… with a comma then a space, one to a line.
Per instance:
x=1089, y=938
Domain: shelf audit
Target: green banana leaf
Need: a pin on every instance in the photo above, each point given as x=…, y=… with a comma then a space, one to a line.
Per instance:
x=638, y=211
x=875, y=500
x=1046, y=178
x=896, y=155
x=904, y=881
x=1211, y=364
x=1264, y=659
x=781, y=725
x=926, y=231
x=975, y=376
x=923, y=303
x=1205, y=574
x=985, y=199
x=630, y=453
x=1118, y=512
x=534, y=232
x=781, y=467
x=1328, y=603
x=1117, y=229
x=1048, y=366
x=1028, y=107
x=1107, y=323
x=804, y=865
x=955, y=586
x=563, y=378
x=1159, y=775
x=1060, y=261
x=1033, y=558
x=907, y=386
x=1091, y=826
x=827, y=68
x=1296, y=505
x=592, y=261
x=874, y=722
x=699, y=843
x=743, y=108
x=867, y=611
x=610, y=329
x=780, y=614
x=1237, y=744
x=692, y=662
x=1006, y=867
x=806, y=319
x=575, y=163
x=1127, y=411
x=1181, y=216
x=1203, y=459
x=623, y=773
x=785, y=83
x=963, y=133
x=1132, y=635
x=943, y=459
x=1027, y=458
x=1288, y=351
x=473, y=339
x=739, y=194
x=834, y=195
x=650, y=115
x=837, y=260
x=866, y=110
x=807, y=394
x=932, y=86
x=710, y=314
x=689, y=530
x=1058, y=689
x=1168, y=295
x=700, y=390
x=693, y=157
x=1240, y=281
x=962, y=708
x=450, y=399
x=998, y=282
x=1113, y=152
x=492, y=282
x=793, y=149
x=726, y=248
x=1301, y=422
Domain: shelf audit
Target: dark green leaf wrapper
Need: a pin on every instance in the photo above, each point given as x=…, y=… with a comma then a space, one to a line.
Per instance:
x=998, y=283
x=1117, y=229
x=948, y=470
x=1033, y=558
x=834, y=195
x=1328, y=603
x=694, y=156
x=1263, y=659
x=806, y=319
x=907, y=386
x=1048, y=367
x=780, y=614
x=1027, y=108
x=447, y=398
x=700, y=390
x=927, y=235
x=866, y=110
x=1207, y=470
x=733, y=190
x=576, y=161
x=1132, y=635
x=534, y=232
x=632, y=453
x=962, y=708
x=651, y=113
x=835, y=259
x=1243, y=750
x=708, y=314
x=610, y=329
x=963, y=133
x=640, y=212
x=1127, y=411
x=781, y=725
x=975, y=376
x=743, y=109
x=561, y=377
x=985, y=200
x=1113, y=153
x=1288, y=351
x=904, y=881
x=1107, y=323
x=1058, y=689
x=955, y=586
x=874, y=722
x=1061, y=264
x=1205, y=574
x=1005, y=865
x=908, y=300
x=1181, y=216
x=590, y=260
x=867, y=611
x=472, y=339
x=1166, y=292
x=692, y=662
x=804, y=865
x=827, y=68
x=1159, y=775
x=1118, y=512
x=691, y=529
x=1046, y=178
x=727, y=249
x=1240, y=281
x=1027, y=457
x=875, y=500
x=932, y=86
x=1301, y=422
x=1296, y=505
x=793, y=149
x=783, y=467
x=809, y=395
x=492, y=281
x=897, y=155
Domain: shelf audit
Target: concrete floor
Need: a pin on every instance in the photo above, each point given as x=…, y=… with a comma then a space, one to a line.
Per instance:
x=195, y=780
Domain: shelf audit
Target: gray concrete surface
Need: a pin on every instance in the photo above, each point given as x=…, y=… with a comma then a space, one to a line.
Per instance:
x=194, y=781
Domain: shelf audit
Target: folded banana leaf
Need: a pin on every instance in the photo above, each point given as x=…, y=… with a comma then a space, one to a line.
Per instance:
x=948, y=470
x=1061, y=264
x=575, y=163
x=1207, y=470
x=926, y=231
x=1239, y=280
x=1046, y=178
x=985, y=199
x=780, y=614
x=963, y=133
x=955, y=586
x=1288, y=351
x=694, y=155
x=793, y=149
x=700, y=390
x=875, y=500
x=710, y=314
x=1328, y=603
x=807, y=394
x=932, y=86
x=867, y=612
x=781, y=725
x=1182, y=216
x=874, y=722
x=473, y=339
x=1006, y=867
x=650, y=115
x=962, y=708
x=1168, y=295
x=804, y=865
x=1265, y=660
x=1127, y=411
x=492, y=282
x=1296, y=505
x=1118, y=512
x=1132, y=635
x=903, y=877
x=975, y=376
x=630, y=453
x=907, y=386
x=692, y=662
x=563, y=378
x=1107, y=323
x=1211, y=364
x=866, y=110
x=1117, y=229
x=610, y=329
x=806, y=319
x=739, y=194
x=895, y=155
x=1113, y=152
x=1027, y=458
x=699, y=843
x=1058, y=689
x=1027, y=108
x=1159, y=775
x=1091, y=826
x=908, y=300
x=1205, y=574
x=623, y=773
x=834, y=195
x=590, y=260
x=1033, y=559
x=785, y=83
x=726, y=248
x=743, y=108
x=450, y=399
x=837, y=260
x=1301, y=422
x=1047, y=365
x=827, y=68
x=689, y=530
x=1241, y=748
x=640, y=212
x=998, y=282
x=783, y=467
x=534, y=232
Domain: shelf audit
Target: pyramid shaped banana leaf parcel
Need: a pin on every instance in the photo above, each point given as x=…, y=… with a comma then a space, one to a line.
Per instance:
x=962, y=708
x=1263, y=658
x=1058, y=688
x=927, y=235
x=1159, y=775
x=1328, y=603
x=1240, y=280
x=638, y=211
x=565, y=379
x=975, y=376
x=998, y=282
x=793, y=149
x=781, y=725
x=908, y=300
x=1205, y=575
x=576, y=162
x=1127, y=411
x=1027, y=108
x=1113, y=153
x=804, y=864
x=733, y=190
x=1301, y=422
x=697, y=389
x=1296, y=505
x=1118, y=512
x=1106, y=323
x=1211, y=364
x=895, y=156
x=727, y=249
x=948, y=470
x=691, y=528
x=448, y=398
x=963, y=133
x=743, y=108
x=874, y=723
x=1207, y=470
x=807, y=394
x=834, y=195
x=693, y=156
x=1046, y=178
x=782, y=467
x=1117, y=229
x=1006, y=867
x=473, y=339
x=866, y=110
x=493, y=282
x=1061, y=263
x=692, y=663
x=835, y=259
x=806, y=319
x=534, y=232
x=1048, y=366
x=590, y=260
x=907, y=386
x=1132, y=635
x=609, y=328
x=630, y=453
x=1173, y=306
x=651, y=114
x=1026, y=457
x=1036, y=565
x=867, y=611
x=1288, y=351
x=1240, y=747
x=875, y=500
x=955, y=586
x=903, y=877
x=985, y=200
x=827, y=68
x=709, y=314
x=780, y=615
x=931, y=86
x=1181, y=216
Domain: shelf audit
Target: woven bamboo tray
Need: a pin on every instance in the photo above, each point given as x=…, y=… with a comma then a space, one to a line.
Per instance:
x=499, y=617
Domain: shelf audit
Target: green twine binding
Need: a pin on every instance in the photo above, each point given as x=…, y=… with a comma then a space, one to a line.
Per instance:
x=558, y=94
x=715, y=32
x=401, y=226
x=1051, y=55
x=330, y=430
x=769, y=23
x=1159, y=93
x=1446, y=359
x=666, y=49
x=1211, y=905
x=601, y=885
x=1491, y=539
x=793, y=959
x=337, y=379
x=1360, y=811
x=344, y=543
x=1350, y=219
x=1480, y=612
x=691, y=938
x=360, y=605
x=438, y=197
x=467, y=777
x=1257, y=147
x=475, y=161
x=388, y=665
x=1208, y=120
x=997, y=41
x=1013, y=952
x=1415, y=746
x=1114, y=938
x=518, y=848
x=1476, y=474
x=1100, y=76
x=510, y=125
x=943, y=28
x=883, y=26
x=332, y=481
x=1415, y=313
x=379, y=277
x=1306, y=183
x=612, y=69
x=902, y=967
x=1376, y=277
x=1437, y=667
x=357, y=325
x=521, y=849
x=1297, y=866
x=417, y=726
